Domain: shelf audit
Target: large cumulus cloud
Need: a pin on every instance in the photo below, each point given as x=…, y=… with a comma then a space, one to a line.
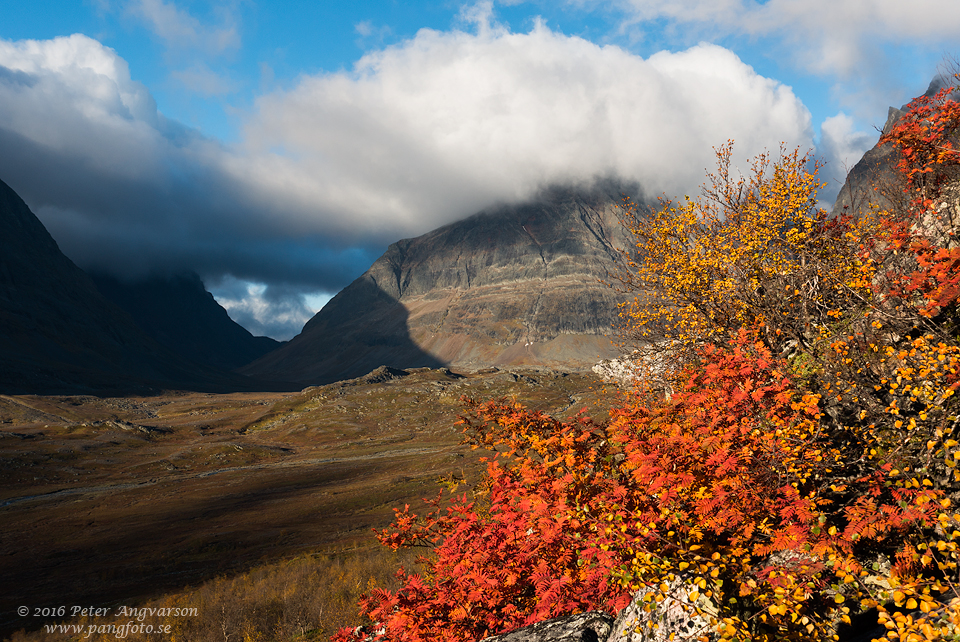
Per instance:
x=869, y=50
x=443, y=124
x=335, y=167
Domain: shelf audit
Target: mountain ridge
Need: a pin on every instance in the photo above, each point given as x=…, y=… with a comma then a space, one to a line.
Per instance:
x=60, y=335
x=180, y=314
x=511, y=285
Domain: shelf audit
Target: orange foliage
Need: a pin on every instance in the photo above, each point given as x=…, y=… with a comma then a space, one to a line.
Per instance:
x=708, y=487
x=802, y=468
x=753, y=251
x=929, y=160
x=516, y=555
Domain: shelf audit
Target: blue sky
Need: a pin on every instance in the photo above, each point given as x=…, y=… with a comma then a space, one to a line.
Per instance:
x=276, y=148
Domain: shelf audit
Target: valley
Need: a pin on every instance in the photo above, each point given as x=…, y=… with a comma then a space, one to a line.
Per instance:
x=116, y=500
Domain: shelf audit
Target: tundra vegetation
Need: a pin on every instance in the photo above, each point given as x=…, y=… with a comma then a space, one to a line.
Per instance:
x=254, y=509
x=798, y=468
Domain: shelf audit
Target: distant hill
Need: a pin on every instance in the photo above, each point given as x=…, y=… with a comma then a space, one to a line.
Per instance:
x=58, y=334
x=179, y=314
x=512, y=285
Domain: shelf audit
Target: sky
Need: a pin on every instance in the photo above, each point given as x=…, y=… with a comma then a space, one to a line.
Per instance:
x=277, y=148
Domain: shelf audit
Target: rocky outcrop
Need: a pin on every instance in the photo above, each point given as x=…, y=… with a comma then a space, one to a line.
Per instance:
x=620, y=370
x=874, y=180
x=675, y=618
x=593, y=626
x=514, y=285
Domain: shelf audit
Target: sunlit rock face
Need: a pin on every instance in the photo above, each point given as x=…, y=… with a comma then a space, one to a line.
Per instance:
x=512, y=285
x=874, y=182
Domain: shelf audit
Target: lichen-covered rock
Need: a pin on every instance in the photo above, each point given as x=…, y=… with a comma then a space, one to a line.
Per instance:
x=651, y=363
x=593, y=626
x=675, y=618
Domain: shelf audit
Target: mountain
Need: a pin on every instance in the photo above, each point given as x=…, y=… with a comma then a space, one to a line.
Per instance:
x=179, y=314
x=512, y=285
x=874, y=180
x=59, y=335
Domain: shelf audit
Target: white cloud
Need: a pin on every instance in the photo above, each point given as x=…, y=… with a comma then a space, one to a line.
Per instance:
x=74, y=92
x=479, y=15
x=177, y=28
x=121, y=187
x=447, y=122
x=841, y=147
x=316, y=301
x=366, y=29
x=417, y=135
x=825, y=36
x=262, y=310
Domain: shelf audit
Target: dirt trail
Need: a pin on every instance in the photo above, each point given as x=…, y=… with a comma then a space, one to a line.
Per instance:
x=33, y=413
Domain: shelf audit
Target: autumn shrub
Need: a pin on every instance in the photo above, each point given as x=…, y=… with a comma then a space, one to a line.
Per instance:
x=862, y=308
x=729, y=486
x=802, y=468
x=753, y=251
x=926, y=231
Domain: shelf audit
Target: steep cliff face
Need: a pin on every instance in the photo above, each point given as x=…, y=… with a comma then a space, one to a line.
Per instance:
x=513, y=285
x=874, y=179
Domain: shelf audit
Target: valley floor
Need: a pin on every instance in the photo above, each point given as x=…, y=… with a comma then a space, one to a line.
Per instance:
x=108, y=502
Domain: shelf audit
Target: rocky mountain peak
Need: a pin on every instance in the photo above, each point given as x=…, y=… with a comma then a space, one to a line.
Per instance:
x=511, y=285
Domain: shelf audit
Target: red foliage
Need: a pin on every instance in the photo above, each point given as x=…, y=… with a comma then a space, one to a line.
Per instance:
x=515, y=560
x=737, y=487
x=726, y=472
x=926, y=139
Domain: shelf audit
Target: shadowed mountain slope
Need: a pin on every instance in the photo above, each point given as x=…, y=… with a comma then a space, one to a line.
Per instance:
x=58, y=334
x=179, y=314
x=513, y=285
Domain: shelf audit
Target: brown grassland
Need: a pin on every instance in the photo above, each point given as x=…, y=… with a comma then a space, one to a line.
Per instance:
x=255, y=509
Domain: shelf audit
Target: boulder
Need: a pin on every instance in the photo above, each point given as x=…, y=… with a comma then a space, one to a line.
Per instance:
x=675, y=618
x=621, y=370
x=592, y=626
